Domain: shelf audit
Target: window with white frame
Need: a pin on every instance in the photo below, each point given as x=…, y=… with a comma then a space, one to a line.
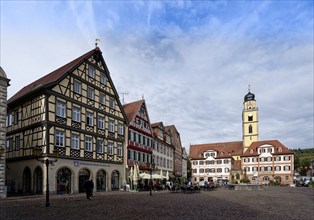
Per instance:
x=111, y=125
x=262, y=169
x=76, y=114
x=269, y=159
x=280, y=149
x=201, y=162
x=102, y=98
x=286, y=168
x=201, y=170
x=90, y=93
x=269, y=168
x=226, y=161
x=131, y=155
x=195, y=162
x=103, y=79
x=60, y=109
x=120, y=128
x=110, y=149
x=254, y=169
x=91, y=71
x=194, y=170
x=278, y=158
x=219, y=161
x=278, y=168
x=89, y=118
x=226, y=170
x=112, y=103
x=262, y=159
x=254, y=159
x=101, y=122
x=219, y=170
x=100, y=146
x=286, y=158
x=77, y=87
x=88, y=144
x=9, y=119
x=75, y=141
x=59, y=138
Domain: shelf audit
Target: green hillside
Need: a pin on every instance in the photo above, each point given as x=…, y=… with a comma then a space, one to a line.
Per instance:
x=302, y=159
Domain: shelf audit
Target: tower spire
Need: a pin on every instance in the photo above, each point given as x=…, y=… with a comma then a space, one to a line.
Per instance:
x=249, y=88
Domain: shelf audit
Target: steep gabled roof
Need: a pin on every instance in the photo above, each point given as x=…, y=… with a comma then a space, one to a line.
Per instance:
x=156, y=124
x=275, y=143
x=227, y=148
x=51, y=78
x=131, y=109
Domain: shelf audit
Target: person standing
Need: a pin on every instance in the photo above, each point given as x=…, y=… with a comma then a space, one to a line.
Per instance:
x=89, y=186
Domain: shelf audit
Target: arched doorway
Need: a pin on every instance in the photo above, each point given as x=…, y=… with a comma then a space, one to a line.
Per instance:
x=101, y=180
x=38, y=181
x=278, y=179
x=64, y=181
x=84, y=175
x=115, y=180
x=27, y=180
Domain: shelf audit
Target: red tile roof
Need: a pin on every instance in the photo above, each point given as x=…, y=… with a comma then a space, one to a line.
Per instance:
x=255, y=145
x=227, y=148
x=51, y=78
x=131, y=109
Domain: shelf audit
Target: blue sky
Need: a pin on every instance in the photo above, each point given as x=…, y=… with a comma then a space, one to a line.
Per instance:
x=192, y=60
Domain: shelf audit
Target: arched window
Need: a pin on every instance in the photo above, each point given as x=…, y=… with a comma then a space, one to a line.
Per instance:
x=280, y=149
x=115, y=180
x=251, y=151
x=64, y=181
x=101, y=180
x=250, y=118
x=250, y=129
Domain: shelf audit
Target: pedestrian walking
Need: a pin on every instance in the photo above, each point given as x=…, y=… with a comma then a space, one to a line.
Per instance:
x=89, y=186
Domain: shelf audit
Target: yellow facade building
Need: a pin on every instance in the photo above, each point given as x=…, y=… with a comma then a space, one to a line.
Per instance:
x=260, y=162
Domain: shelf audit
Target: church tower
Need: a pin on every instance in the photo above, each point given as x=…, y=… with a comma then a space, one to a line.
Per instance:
x=249, y=120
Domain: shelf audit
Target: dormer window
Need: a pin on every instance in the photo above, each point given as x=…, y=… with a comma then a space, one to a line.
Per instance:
x=280, y=149
x=251, y=151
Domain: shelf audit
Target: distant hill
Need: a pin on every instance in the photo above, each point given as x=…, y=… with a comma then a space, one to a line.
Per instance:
x=302, y=159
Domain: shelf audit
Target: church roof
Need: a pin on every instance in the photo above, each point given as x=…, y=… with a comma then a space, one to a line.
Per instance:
x=52, y=78
x=224, y=149
x=248, y=97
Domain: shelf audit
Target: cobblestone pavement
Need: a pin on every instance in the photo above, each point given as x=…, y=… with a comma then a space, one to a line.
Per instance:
x=270, y=203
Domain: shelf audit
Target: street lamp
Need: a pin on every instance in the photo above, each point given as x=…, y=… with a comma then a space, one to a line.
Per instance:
x=37, y=152
x=151, y=167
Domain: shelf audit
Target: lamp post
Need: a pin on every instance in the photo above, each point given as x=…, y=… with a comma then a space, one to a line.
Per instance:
x=37, y=152
x=152, y=167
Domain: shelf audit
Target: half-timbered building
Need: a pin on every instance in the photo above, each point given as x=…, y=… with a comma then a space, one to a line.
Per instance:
x=163, y=150
x=140, y=136
x=176, y=143
x=74, y=110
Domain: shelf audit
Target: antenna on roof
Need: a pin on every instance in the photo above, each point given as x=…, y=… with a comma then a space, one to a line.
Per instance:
x=96, y=42
x=143, y=96
x=123, y=94
x=249, y=88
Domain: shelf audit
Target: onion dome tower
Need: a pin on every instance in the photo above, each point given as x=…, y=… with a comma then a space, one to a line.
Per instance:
x=249, y=120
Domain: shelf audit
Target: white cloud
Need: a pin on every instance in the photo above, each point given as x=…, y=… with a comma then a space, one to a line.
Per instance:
x=193, y=74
